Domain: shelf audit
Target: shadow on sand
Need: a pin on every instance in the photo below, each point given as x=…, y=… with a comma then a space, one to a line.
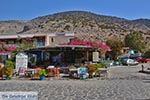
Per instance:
x=34, y=79
x=145, y=72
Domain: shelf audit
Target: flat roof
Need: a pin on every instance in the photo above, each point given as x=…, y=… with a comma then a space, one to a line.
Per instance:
x=63, y=46
x=69, y=46
x=10, y=36
x=15, y=36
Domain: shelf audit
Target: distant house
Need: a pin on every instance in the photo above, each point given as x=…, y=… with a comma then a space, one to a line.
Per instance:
x=129, y=53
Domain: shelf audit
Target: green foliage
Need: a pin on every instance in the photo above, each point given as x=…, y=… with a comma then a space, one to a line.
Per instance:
x=134, y=40
x=1, y=68
x=92, y=68
x=72, y=67
x=10, y=62
x=7, y=70
x=115, y=46
x=24, y=44
x=32, y=59
x=147, y=53
x=105, y=61
x=102, y=65
x=42, y=72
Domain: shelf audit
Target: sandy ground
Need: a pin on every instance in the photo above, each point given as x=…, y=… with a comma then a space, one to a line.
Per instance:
x=124, y=83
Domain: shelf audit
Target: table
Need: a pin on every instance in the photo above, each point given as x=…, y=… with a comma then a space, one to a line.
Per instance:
x=73, y=72
x=29, y=72
x=103, y=71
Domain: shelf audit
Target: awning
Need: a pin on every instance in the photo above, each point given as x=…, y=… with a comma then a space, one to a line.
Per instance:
x=66, y=46
x=10, y=36
x=26, y=35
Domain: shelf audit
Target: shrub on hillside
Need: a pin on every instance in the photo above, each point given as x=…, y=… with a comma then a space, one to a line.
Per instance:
x=147, y=53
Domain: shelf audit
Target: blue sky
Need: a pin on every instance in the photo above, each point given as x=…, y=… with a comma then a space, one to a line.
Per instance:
x=28, y=9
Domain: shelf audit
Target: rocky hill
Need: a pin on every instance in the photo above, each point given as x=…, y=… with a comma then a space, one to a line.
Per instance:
x=83, y=24
x=11, y=27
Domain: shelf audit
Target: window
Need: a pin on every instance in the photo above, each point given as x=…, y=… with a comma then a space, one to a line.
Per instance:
x=52, y=39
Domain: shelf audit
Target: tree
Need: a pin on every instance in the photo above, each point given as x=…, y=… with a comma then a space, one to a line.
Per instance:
x=102, y=47
x=147, y=53
x=134, y=40
x=6, y=48
x=115, y=46
x=24, y=44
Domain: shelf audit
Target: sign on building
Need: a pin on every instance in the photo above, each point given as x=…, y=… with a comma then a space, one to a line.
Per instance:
x=21, y=62
x=95, y=56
